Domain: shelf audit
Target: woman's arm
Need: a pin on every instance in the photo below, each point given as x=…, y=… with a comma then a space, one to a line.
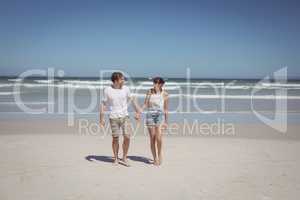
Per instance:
x=146, y=101
x=166, y=107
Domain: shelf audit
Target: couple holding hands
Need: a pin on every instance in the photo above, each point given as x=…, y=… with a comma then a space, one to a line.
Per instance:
x=116, y=98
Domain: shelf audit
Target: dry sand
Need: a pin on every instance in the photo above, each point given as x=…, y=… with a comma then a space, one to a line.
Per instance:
x=52, y=165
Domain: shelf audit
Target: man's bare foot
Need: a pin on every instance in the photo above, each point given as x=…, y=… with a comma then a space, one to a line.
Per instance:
x=125, y=162
x=150, y=161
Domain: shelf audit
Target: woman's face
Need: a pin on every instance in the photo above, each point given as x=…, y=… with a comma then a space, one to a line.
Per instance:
x=157, y=86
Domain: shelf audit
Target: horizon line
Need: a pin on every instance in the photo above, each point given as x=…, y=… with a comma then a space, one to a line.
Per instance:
x=149, y=78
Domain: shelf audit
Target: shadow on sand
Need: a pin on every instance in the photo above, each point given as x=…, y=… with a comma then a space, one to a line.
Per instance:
x=110, y=159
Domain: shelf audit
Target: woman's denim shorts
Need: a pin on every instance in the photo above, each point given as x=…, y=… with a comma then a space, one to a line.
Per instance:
x=153, y=117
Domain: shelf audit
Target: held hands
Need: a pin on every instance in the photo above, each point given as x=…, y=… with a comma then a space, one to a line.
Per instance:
x=102, y=123
x=137, y=116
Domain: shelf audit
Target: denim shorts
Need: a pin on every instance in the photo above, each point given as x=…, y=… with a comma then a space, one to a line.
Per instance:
x=153, y=117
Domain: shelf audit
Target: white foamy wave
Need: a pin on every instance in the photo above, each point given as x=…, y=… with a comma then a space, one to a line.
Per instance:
x=281, y=85
x=244, y=87
x=241, y=97
x=236, y=87
x=146, y=82
x=139, y=87
x=44, y=81
x=210, y=83
x=88, y=82
x=6, y=85
x=27, y=103
x=87, y=86
x=33, y=85
x=167, y=83
x=79, y=86
x=82, y=86
x=185, y=83
x=8, y=93
x=225, y=96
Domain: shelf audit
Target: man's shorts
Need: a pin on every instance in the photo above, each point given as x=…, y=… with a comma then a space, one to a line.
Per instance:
x=120, y=126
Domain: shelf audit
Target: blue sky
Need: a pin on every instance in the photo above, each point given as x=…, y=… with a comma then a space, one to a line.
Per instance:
x=216, y=39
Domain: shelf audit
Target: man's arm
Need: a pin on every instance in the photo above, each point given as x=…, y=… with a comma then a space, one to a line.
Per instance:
x=132, y=99
x=102, y=110
x=136, y=107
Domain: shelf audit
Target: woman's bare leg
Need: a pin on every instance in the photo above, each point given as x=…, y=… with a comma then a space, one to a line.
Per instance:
x=151, y=130
x=158, y=137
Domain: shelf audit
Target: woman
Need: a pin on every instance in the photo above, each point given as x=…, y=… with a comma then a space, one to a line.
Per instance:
x=156, y=104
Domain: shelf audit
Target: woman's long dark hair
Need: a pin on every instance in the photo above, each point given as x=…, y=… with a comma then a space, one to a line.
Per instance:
x=158, y=80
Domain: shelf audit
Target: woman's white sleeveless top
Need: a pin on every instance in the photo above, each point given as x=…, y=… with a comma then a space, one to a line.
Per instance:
x=156, y=101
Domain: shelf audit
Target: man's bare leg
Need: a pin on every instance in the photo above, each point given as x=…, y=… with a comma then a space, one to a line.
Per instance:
x=115, y=147
x=126, y=142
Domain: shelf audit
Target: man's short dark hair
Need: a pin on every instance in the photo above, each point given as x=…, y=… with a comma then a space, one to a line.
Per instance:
x=116, y=76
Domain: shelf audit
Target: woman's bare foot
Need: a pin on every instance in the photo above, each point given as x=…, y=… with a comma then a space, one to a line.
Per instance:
x=156, y=162
x=116, y=162
x=160, y=160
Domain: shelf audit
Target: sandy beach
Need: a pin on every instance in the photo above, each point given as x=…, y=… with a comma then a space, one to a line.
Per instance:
x=223, y=78
x=39, y=161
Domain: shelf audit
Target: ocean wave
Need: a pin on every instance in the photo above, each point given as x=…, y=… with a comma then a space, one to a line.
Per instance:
x=32, y=85
x=140, y=87
x=241, y=96
x=15, y=79
x=171, y=86
x=291, y=85
x=26, y=103
x=81, y=86
x=184, y=83
x=8, y=93
x=6, y=85
x=44, y=81
x=190, y=96
x=105, y=82
x=244, y=87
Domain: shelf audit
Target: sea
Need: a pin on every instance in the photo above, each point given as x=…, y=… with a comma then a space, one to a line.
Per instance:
x=206, y=100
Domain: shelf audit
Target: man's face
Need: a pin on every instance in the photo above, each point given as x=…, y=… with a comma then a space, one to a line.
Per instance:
x=120, y=82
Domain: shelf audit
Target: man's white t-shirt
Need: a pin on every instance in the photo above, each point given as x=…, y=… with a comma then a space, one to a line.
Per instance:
x=116, y=100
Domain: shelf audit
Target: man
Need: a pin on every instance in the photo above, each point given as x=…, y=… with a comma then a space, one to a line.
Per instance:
x=116, y=97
